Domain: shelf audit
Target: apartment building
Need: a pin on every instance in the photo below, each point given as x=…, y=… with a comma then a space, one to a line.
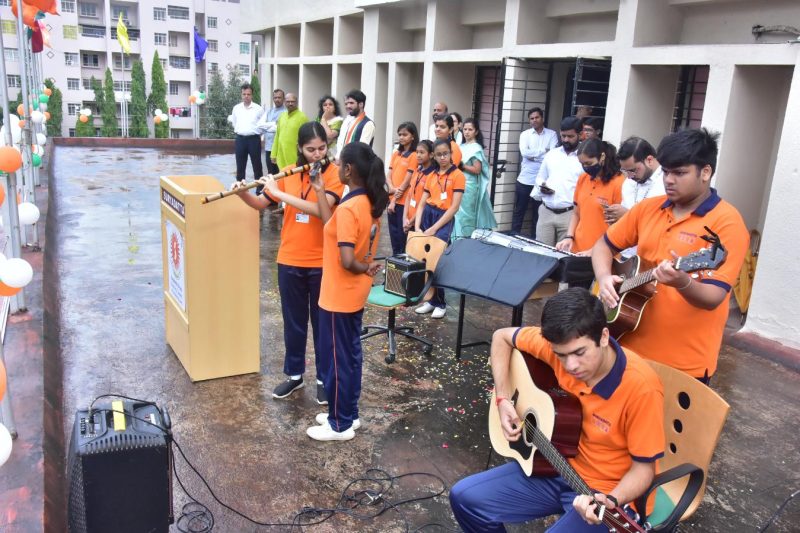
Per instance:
x=647, y=67
x=84, y=44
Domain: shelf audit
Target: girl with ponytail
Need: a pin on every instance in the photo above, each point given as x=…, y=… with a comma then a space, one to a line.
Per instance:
x=598, y=187
x=351, y=237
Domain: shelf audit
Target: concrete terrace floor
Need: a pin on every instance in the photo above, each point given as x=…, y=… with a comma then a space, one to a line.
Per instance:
x=420, y=414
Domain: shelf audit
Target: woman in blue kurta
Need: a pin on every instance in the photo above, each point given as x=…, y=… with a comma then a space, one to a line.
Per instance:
x=475, y=211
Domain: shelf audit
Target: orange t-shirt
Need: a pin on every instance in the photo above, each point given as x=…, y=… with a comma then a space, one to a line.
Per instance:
x=415, y=189
x=301, y=235
x=341, y=290
x=401, y=164
x=673, y=331
x=590, y=197
x=623, y=414
x=441, y=185
x=455, y=152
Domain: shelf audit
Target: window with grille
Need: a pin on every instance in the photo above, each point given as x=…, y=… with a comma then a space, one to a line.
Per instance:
x=117, y=10
x=173, y=40
x=70, y=58
x=159, y=13
x=5, y=3
x=90, y=60
x=73, y=84
x=244, y=48
x=70, y=32
x=213, y=67
x=119, y=86
x=68, y=6
x=118, y=61
x=97, y=32
x=690, y=97
x=163, y=62
x=14, y=81
x=12, y=54
x=213, y=45
x=177, y=12
x=160, y=39
x=88, y=10
x=179, y=62
x=73, y=109
x=10, y=27
x=211, y=22
x=244, y=70
x=86, y=83
x=173, y=88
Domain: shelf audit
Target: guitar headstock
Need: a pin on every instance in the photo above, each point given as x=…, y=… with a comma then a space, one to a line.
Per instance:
x=704, y=259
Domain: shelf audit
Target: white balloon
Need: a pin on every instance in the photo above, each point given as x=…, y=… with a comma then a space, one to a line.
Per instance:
x=164, y=117
x=158, y=112
x=37, y=117
x=16, y=272
x=28, y=213
x=196, y=94
x=42, y=107
x=41, y=138
x=14, y=120
x=5, y=444
x=201, y=101
x=86, y=111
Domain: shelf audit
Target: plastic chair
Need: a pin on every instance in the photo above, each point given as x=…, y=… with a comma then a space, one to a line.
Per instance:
x=421, y=248
x=693, y=419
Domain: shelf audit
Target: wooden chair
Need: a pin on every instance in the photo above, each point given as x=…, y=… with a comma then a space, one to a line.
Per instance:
x=421, y=248
x=693, y=419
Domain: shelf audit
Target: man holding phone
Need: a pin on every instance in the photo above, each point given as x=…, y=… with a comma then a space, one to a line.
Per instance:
x=555, y=184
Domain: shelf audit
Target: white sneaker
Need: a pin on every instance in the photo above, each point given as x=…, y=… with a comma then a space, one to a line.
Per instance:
x=322, y=418
x=326, y=433
x=424, y=309
x=439, y=312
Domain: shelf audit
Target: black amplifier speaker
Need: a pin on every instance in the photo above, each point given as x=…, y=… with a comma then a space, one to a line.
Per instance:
x=398, y=265
x=119, y=470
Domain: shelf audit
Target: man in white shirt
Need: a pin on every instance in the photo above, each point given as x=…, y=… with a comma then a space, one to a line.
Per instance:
x=637, y=159
x=357, y=126
x=439, y=108
x=244, y=118
x=555, y=184
x=269, y=125
x=533, y=145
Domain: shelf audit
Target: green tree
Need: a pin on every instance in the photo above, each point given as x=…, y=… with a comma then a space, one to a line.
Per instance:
x=255, y=83
x=214, y=113
x=99, y=97
x=158, y=96
x=55, y=107
x=109, y=110
x=138, y=109
x=85, y=129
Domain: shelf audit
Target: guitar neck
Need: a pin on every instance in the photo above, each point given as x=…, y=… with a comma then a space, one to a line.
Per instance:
x=638, y=280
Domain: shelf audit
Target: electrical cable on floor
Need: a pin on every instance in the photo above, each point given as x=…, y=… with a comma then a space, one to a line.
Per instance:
x=778, y=511
x=196, y=517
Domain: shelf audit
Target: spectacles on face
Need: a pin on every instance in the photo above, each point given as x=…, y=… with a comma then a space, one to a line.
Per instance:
x=442, y=155
x=627, y=172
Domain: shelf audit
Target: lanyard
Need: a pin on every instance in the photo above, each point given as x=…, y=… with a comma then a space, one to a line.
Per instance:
x=303, y=195
x=446, y=178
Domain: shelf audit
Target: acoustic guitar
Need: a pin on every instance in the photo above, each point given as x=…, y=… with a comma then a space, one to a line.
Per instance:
x=552, y=427
x=639, y=285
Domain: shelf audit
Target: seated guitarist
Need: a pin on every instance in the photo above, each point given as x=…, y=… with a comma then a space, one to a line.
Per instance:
x=622, y=430
x=682, y=325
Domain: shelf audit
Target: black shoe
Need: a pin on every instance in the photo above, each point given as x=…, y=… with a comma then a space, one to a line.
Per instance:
x=322, y=398
x=287, y=387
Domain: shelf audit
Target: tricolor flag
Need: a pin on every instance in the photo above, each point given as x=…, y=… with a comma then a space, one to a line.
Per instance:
x=122, y=36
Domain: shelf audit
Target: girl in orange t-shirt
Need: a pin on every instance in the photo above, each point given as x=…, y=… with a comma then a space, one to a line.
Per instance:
x=398, y=177
x=598, y=187
x=351, y=238
x=443, y=127
x=417, y=184
x=300, y=252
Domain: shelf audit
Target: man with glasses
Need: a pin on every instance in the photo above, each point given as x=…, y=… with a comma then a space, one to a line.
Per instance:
x=637, y=159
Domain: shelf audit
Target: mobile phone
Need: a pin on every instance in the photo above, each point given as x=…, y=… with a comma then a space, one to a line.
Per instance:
x=545, y=189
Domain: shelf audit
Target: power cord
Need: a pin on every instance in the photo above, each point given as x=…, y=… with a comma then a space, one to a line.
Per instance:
x=196, y=517
x=780, y=509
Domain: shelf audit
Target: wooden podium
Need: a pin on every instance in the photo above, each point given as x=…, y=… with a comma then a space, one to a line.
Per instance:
x=211, y=278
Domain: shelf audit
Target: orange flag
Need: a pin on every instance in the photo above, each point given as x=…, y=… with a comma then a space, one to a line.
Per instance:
x=48, y=6
x=28, y=13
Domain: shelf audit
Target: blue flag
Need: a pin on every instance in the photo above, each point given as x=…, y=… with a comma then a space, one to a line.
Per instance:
x=200, y=46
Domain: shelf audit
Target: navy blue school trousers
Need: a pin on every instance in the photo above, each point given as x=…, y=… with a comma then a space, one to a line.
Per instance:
x=299, y=289
x=248, y=146
x=396, y=233
x=505, y=494
x=341, y=360
x=430, y=215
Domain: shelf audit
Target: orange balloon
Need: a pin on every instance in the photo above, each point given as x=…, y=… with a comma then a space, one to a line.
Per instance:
x=2, y=194
x=48, y=91
x=28, y=13
x=3, y=380
x=5, y=290
x=192, y=99
x=20, y=110
x=10, y=159
x=157, y=120
x=48, y=6
x=84, y=119
x=21, y=123
x=47, y=115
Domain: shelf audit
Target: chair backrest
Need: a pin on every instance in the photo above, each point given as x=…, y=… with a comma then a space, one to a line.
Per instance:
x=427, y=249
x=693, y=419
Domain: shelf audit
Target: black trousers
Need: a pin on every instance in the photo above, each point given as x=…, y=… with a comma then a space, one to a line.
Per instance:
x=272, y=168
x=248, y=145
